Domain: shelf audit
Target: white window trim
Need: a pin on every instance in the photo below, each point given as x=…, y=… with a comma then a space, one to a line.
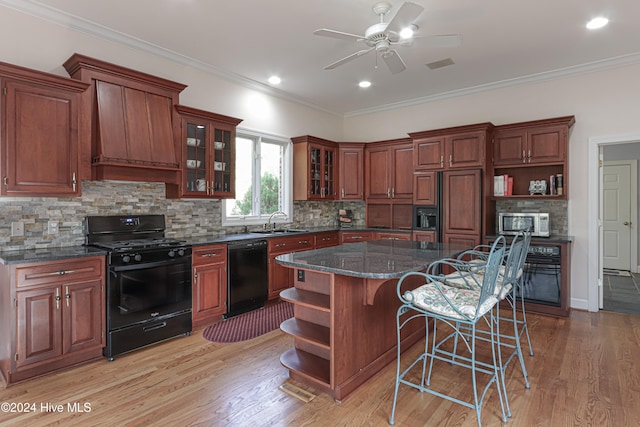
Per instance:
x=287, y=190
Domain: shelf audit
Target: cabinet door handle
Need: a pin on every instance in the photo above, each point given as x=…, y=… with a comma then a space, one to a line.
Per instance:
x=393, y=192
x=74, y=181
x=450, y=160
x=388, y=193
x=524, y=157
x=195, y=276
x=343, y=193
x=441, y=160
x=57, y=299
x=529, y=155
x=67, y=295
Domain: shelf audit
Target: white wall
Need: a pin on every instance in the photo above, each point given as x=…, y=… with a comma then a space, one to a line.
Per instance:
x=604, y=104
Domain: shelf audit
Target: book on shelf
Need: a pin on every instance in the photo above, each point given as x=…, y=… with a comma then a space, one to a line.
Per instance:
x=502, y=185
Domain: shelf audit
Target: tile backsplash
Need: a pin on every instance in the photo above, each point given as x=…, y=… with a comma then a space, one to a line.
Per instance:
x=185, y=217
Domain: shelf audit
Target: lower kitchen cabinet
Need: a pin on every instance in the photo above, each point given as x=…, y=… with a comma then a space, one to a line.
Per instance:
x=281, y=277
x=425, y=236
x=326, y=239
x=53, y=316
x=209, y=284
x=354, y=236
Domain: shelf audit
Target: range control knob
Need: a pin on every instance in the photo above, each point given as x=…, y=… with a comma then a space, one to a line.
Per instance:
x=171, y=253
x=180, y=252
x=138, y=257
x=126, y=258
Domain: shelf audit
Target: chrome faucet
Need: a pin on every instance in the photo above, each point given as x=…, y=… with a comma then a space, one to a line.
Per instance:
x=268, y=225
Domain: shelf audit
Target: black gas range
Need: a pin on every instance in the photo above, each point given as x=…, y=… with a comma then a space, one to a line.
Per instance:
x=148, y=280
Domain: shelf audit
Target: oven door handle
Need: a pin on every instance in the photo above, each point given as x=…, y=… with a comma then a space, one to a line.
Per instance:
x=147, y=265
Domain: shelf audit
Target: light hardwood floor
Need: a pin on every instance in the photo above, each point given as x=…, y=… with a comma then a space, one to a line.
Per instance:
x=585, y=372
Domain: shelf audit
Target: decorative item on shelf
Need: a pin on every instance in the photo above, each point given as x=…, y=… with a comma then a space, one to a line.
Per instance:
x=552, y=185
x=219, y=166
x=345, y=218
x=201, y=184
x=193, y=163
x=538, y=186
x=218, y=145
x=559, y=184
x=193, y=142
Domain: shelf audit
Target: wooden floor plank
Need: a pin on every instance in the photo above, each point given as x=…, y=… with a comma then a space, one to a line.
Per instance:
x=586, y=371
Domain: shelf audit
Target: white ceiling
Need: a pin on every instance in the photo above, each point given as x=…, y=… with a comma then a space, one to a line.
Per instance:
x=504, y=42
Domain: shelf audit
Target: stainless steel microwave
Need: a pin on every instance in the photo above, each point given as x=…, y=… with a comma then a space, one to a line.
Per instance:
x=512, y=223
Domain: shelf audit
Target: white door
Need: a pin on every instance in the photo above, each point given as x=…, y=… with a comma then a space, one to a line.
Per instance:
x=617, y=216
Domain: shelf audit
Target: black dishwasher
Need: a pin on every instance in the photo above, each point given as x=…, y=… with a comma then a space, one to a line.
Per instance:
x=247, y=280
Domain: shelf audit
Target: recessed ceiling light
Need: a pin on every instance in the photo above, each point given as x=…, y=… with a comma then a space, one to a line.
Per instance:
x=274, y=80
x=598, y=22
x=364, y=83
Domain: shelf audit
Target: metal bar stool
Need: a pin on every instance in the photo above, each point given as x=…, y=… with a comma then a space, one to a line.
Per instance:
x=455, y=307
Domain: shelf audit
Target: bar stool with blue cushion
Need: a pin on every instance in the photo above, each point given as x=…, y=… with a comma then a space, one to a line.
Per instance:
x=455, y=307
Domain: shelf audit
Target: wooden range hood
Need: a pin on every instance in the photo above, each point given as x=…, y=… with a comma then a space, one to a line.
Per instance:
x=134, y=125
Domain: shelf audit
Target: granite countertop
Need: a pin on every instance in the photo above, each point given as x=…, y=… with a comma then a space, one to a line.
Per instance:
x=49, y=254
x=69, y=252
x=377, y=259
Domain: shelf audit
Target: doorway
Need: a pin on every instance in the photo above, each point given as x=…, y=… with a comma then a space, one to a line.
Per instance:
x=601, y=149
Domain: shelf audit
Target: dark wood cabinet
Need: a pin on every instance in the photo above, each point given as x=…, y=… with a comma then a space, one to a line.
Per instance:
x=425, y=188
x=135, y=128
x=397, y=214
x=354, y=236
x=462, y=206
x=315, y=172
x=209, y=284
x=425, y=236
x=281, y=277
x=43, y=134
x=326, y=239
x=208, y=143
x=388, y=173
x=532, y=151
x=451, y=148
x=57, y=311
x=351, y=171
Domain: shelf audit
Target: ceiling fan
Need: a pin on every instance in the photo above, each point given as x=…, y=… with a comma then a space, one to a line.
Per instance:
x=382, y=37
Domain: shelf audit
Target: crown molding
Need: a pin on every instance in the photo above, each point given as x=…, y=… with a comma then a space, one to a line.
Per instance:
x=56, y=16
x=591, y=67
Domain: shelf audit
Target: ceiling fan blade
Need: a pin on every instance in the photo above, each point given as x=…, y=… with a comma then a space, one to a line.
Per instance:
x=451, y=40
x=394, y=62
x=338, y=35
x=407, y=13
x=347, y=59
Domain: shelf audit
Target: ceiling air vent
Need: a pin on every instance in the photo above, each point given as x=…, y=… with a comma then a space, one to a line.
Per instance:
x=439, y=64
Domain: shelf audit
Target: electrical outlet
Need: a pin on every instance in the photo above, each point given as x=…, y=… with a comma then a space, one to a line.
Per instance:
x=17, y=229
x=52, y=227
x=300, y=275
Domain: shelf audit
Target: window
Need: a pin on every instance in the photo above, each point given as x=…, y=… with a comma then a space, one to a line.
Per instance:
x=263, y=180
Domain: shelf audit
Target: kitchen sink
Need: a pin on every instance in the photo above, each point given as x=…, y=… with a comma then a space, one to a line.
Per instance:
x=281, y=231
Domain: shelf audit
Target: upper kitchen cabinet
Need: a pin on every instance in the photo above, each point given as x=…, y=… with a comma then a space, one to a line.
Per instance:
x=43, y=134
x=532, y=151
x=351, y=171
x=388, y=171
x=461, y=147
x=314, y=168
x=208, y=155
x=135, y=128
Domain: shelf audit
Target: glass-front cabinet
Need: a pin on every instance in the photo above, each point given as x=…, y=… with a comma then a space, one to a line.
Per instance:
x=208, y=141
x=315, y=168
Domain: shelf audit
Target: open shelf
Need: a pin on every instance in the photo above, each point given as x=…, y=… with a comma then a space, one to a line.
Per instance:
x=314, y=300
x=308, y=365
x=310, y=332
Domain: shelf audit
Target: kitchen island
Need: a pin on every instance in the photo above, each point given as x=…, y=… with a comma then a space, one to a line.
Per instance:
x=345, y=304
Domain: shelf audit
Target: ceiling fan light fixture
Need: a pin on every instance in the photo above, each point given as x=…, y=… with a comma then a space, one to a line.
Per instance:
x=407, y=32
x=274, y=80
x=597, y=22
x=364, y=84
